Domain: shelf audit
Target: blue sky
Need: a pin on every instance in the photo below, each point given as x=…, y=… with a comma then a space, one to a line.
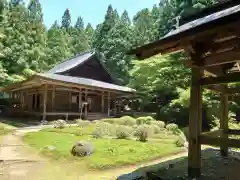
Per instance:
x=92, y=11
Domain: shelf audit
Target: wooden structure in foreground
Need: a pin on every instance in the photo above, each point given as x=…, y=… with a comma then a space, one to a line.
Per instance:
x=77, y=87
x=212, y=41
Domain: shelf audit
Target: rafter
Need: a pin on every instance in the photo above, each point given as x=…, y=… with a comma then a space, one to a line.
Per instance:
x=228, y=78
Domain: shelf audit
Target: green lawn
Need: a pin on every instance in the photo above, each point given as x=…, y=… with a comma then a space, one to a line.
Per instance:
x=108, y=152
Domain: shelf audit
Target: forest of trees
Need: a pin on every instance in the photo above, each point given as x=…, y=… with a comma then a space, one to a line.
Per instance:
x=28, y=47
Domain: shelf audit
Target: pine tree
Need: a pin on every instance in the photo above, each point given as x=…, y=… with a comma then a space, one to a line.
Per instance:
x=66, y=19
x=125, y=18
x=36, y=37
x=57, y=42
x=89, y=32
x=79, y=24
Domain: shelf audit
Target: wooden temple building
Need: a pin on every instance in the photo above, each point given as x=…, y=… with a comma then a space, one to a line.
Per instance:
x=78, y=87
x=211, y=39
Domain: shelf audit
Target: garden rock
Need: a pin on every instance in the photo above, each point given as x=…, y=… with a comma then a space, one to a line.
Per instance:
x=82, y=148
x=51, y=148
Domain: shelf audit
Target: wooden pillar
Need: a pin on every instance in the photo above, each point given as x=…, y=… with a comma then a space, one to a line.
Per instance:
x=224, y=122
x=44, y=102
x=102, y=102
x=36, y=98
x=115, y=107
x=21, y=100
x=80, y=103
x=195, y=125
x=86, y=105
x=69, y=100
x=108, y=103
x=53, y=98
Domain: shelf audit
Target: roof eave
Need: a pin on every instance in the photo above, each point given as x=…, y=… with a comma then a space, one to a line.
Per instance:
x=166, y=44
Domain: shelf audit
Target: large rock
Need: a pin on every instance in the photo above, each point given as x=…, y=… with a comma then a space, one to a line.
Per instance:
x=82, y=148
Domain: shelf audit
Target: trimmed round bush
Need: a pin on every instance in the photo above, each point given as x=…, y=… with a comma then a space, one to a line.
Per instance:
x=102, y=129
x=160, y=124
x=156, y=129
x=181, y=140
x=144, y=120
x=83, y=123
x=127, y=120
x=82, y=148
x=173, y=128
x=185, y=130
x=59, y=124
x=109, y=120
x=143, y=132
x=123, y=132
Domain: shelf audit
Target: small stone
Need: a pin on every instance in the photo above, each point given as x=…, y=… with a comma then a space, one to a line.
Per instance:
x=51, y=148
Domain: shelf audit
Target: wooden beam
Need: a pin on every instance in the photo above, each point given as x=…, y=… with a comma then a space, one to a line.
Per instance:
x=45, y=102
x=217, y=89
x=218, y=141
x=228, y=78
x=234, y=131
x=195, y=125
x=224, y=121
x=216, y=133
x=222, y=58
x=233, y=90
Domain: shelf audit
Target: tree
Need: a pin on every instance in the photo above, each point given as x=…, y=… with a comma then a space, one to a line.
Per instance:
x=79, y=24
x=125, y=18
x=66, y=19
x=58, y=48
x=111, y=18
x=89, y=32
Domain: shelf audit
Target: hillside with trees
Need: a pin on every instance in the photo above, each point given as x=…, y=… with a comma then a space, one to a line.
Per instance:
x=28, y=47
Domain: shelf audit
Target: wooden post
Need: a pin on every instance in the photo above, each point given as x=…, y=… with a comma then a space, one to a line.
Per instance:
x=53, y=98
x=44, y=102
x=115, y=107
x=80, y=103
x=195, y=125
x=224, y=122
x=108, y=103
x=36, y=97
x=85, y=105
x=102, y=104
x=21, y=100
x=69, y=100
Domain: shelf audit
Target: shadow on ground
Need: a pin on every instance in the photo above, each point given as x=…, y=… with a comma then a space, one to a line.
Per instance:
x=20, y=122
x=214, y=167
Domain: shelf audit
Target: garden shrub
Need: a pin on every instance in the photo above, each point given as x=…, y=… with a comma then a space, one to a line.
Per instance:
x=173, y=128
x=83, y=123
x=102, y=129
x=82, y=148
x=59, y=124
x=181, y=140
x=127, y=120
x=156, y=129
x=160, y=124
x=185, y=130
x=144, y=120
x=123, y=132
x=109, y=120
x=143, y=132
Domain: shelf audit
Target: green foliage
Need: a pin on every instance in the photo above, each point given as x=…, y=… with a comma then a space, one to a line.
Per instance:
x=143, y=132
x=144, y=120
x=83, y=123
x=127, y=120
x=59, y=124
x=123, y=132
x=181, y=140
x=156, y=128
x=104, y=129
x=172, y=128
x=160, y=124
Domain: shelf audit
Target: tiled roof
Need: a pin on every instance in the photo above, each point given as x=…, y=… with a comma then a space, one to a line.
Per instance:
x=86, y=82
x=72, y=62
